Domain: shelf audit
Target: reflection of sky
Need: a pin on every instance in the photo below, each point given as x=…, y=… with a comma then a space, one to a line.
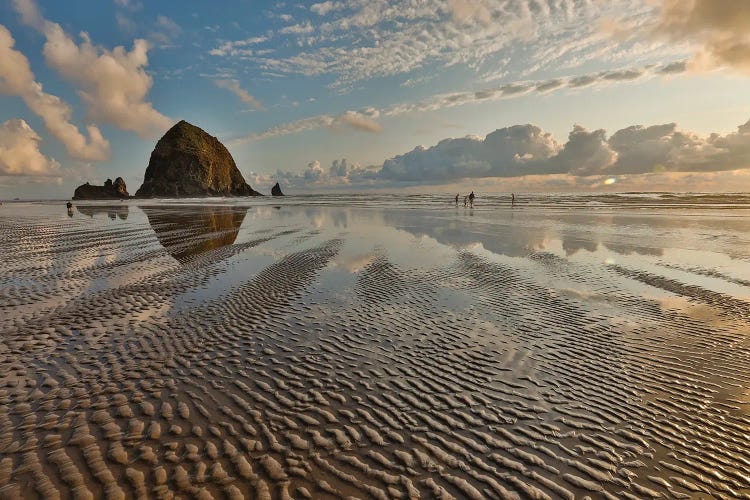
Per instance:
x=707, y=250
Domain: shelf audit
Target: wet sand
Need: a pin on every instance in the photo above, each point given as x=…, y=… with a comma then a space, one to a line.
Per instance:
x=337, y=351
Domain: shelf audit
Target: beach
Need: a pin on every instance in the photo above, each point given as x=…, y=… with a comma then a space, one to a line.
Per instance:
x=386, y=347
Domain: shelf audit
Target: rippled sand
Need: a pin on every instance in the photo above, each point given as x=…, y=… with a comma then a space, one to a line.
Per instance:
x=323, y=351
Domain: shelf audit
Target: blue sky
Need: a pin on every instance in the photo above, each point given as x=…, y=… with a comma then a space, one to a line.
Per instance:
x=405, y=92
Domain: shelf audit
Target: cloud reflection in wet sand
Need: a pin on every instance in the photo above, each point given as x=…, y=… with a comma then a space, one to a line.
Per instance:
x=380, y=352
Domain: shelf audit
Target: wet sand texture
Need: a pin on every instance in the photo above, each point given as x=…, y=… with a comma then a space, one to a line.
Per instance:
x=327, y=353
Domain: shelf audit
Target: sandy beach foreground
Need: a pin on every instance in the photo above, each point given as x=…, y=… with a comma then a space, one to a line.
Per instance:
x=332, y=351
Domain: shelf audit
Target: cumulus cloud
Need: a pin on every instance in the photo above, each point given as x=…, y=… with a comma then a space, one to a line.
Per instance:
x=527, y=150
x=16, y=78
x=234, y=87
x=113, y=83
x=19, y=151
x=719, y=30
x=666, y=148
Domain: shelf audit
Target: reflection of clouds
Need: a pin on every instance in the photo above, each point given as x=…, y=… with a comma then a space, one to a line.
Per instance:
x=627, y=249
x=355, y=263
x=502, y=238
x=520, y=233
x=572, y=243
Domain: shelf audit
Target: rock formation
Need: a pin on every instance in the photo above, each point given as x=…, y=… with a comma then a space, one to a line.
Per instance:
x=109, y=191
x=276, y=190
x=187, y=162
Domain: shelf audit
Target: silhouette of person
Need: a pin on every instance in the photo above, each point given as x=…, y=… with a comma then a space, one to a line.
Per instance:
x=466, y=201
x=471, y=198
x=512, y=199
x=456, y=200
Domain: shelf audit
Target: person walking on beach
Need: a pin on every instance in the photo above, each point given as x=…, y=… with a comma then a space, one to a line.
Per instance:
x=512, y=199
x=471, y=199
x=456, y=199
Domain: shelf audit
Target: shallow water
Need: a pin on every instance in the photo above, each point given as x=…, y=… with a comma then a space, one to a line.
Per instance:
x=382, y=346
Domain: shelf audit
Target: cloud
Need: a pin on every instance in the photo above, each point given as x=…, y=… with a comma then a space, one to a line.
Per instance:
x=527, y=150
x=324, y=8
x=341, y=173
x=165, y=32
x=112, y=83
x=356, y=40
x=718, y=30
x=364, y=120
x=235, y=48
x=297, y=29
x=666, y=148
x=234, y=87
x=19, y=151
x=674, y=68
x=16, y=78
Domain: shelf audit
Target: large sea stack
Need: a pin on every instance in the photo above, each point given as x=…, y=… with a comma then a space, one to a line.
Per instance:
x=187, y=162
x=109, y=191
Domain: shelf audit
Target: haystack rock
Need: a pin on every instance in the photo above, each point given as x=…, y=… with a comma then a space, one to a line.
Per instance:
x=187, y=162
x=276, y=190
x=109, y=191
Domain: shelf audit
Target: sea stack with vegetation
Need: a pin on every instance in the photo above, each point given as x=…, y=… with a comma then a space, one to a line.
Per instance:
x=109, y=191
x=188, y=162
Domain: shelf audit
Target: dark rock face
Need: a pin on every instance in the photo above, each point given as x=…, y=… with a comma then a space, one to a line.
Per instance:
x=109, y=191
x=276, y=190
x=187, y=162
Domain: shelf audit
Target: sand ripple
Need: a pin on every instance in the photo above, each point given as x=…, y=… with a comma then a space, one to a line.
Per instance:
x=126, y=371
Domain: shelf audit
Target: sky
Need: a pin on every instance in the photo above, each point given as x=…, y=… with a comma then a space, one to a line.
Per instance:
x=384, y=95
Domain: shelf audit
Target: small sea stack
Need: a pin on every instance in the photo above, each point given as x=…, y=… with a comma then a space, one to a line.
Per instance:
x=109, y=191
x=276, y=190
x=188, y=162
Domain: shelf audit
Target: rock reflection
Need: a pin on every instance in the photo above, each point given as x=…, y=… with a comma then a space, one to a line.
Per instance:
x=113, y=212
x=186, y=232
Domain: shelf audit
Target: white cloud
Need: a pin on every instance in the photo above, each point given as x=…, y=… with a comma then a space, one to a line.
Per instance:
x=355, y=40
x=16, y=78
x=235, y=48
x=19, y=151
x=527, y=150
x=112, y=83
x=324, y=8
x=234, y=87
x=364, y=120
x=298, y=29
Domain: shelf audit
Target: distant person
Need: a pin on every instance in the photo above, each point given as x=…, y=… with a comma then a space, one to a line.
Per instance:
x=512, y=199
x=466, y=201
x=456, y=200
x=471, y=198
